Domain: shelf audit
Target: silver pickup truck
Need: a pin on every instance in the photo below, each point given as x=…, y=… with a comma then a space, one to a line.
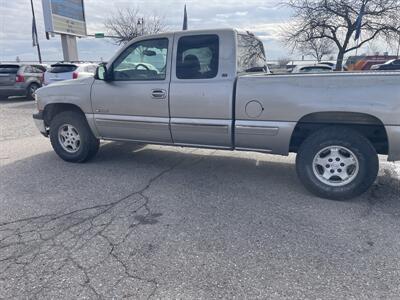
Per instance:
x=212, y=89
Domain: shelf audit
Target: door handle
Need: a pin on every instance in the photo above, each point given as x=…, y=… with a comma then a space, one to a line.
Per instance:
x=159, y=94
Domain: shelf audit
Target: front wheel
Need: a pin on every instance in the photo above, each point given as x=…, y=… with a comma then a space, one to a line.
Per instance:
x=72, y=138
x=337, y=163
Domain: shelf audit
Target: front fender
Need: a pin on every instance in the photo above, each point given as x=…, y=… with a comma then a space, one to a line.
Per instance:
x=76, y=92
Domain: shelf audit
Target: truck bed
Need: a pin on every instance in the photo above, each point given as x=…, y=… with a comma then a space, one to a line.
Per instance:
x=271, y=105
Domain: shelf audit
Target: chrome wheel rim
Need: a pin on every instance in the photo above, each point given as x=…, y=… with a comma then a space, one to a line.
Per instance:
x=335, y=166
x=69, y=138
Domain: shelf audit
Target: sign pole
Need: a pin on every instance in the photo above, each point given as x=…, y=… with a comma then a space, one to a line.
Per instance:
x=67, y=18
x=36, y=35
x=69, y=47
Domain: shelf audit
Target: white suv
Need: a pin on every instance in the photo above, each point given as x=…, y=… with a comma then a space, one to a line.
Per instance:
x=68, y=70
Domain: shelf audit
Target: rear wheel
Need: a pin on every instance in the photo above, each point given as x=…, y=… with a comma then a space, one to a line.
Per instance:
x=30, y=92
x=72, y=138
x=337, y=163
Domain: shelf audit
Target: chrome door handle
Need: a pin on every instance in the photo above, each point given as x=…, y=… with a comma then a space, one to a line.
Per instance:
x=159, y=94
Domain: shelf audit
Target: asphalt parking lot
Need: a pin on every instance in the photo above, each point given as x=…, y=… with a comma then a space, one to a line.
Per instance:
x=142, y=221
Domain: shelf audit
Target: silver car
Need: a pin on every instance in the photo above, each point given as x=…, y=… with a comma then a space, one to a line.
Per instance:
x=68, y=70
x=20, y=80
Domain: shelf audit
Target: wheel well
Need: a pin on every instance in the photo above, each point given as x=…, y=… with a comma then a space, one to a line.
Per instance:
x=53, y=109
x=367, y=125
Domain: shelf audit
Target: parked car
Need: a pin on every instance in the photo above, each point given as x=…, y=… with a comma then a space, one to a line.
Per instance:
x=20, y=80
x=365, y=62
x=68, y=70
x=209, y=92
x=328, y=63
x=391, y=65
x=313, y=68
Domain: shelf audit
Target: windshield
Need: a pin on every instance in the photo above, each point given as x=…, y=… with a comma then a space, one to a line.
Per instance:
x=250, y=54
x=389, y=62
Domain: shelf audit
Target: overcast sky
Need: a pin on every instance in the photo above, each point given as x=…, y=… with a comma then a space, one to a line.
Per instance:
x=261, y=17
x=264, y=18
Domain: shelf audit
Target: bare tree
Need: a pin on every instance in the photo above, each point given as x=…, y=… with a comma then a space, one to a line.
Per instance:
x=317, y=48
x=283, y=61
x=336, y=20
x=127, y=24
x=373, y=48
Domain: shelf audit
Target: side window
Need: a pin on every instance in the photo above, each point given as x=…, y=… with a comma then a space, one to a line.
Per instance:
x=37, y=70
x=197, y=57
x=144, y=60
x=28, y=69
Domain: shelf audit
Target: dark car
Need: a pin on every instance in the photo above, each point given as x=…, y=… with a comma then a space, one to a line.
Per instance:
x=20, y=80
x=390, y=65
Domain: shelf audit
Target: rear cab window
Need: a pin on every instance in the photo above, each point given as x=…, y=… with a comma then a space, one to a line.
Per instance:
x=197, y=57
x=250, y=54
x=62, y=68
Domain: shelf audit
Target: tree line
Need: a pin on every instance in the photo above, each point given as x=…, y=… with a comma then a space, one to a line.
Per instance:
x=316, y=28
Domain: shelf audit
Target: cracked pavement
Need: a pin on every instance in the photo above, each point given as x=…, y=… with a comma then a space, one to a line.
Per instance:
x=151, y=222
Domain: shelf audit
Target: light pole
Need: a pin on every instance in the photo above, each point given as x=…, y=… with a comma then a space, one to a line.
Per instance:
x=34, y=33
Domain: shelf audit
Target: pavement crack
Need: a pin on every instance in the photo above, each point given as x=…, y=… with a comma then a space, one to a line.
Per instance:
x=64, y=251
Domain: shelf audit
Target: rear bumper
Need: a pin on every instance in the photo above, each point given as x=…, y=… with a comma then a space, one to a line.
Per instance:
x=393, y=133
x=6, y=91
x=39, y=122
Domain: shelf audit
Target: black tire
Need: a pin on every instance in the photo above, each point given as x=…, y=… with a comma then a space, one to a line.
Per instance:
x=88, y=145
x=363, y=150
x=30, y=91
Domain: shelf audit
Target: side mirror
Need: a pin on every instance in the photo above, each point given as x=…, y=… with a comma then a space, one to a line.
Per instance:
x=102, y=73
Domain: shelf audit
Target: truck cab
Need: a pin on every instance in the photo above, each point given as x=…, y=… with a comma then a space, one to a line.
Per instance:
x=175, y=88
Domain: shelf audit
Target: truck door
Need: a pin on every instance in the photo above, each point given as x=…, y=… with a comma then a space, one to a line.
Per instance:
x=134, y=104
x=201, y=90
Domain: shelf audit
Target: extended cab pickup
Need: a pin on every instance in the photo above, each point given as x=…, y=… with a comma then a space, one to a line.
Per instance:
x=212, y=88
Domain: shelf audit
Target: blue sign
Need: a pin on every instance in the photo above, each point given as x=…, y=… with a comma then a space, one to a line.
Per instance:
x=72, y=9
x=64, y=17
